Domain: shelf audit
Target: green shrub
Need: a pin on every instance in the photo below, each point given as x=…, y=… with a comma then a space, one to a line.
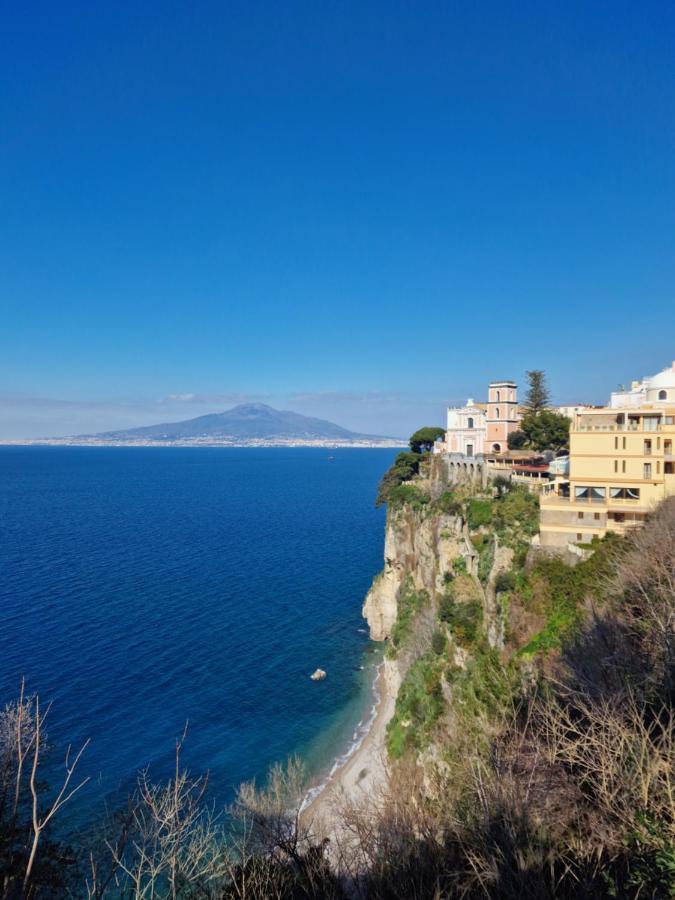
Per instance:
x=408, y=495
x=464, y=619
x=516, y=515
x=459, y=565
x=438, y=642
x=405, y=467
x=418, y=706
x=448, y=503
x=505, y=581
x=410, y=603
x=479, y=513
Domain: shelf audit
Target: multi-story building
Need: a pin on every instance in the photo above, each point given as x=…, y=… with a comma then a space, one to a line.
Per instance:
x=466, y=429
x=502, y=415
x=621, y=466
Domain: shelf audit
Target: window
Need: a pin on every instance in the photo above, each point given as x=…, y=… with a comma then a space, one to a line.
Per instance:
x=616, y=443
x=589, y=493
x=647, y=470
x=663, y=395
x=624, y=443
x=496, y=448
x=619, y=493
x=596, y=516
x=648, y=448
x=616, y=465
x=498, y=396
x=623, y=465
x=658, y=467
x=650, y=423
x=470, y=424
x=469, y=449
x=580, y=515
x=497, y=413
x=579, y=536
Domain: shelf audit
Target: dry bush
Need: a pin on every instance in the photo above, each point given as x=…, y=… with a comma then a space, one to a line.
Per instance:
x=170, y=843
x=31, y=864
x=274, y=851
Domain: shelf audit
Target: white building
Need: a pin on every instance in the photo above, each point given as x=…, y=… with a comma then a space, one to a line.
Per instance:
x=570, y=411
x=656, y=389
x=467, y=429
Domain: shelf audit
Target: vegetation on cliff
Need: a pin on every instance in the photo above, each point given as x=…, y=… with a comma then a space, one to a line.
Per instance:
x=543, y=766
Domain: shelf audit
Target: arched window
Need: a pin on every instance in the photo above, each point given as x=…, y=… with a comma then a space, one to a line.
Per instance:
x=498, y=397
x=470, y=422
x=497, y=413
x=496, y=448
x=663, y=395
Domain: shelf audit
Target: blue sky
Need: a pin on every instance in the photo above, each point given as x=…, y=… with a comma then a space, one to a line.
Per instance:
x=355, y=210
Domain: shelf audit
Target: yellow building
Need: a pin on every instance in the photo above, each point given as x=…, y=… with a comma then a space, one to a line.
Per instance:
x=621, y=466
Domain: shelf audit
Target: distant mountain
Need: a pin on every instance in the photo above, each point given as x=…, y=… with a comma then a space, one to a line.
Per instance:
x=248, y=422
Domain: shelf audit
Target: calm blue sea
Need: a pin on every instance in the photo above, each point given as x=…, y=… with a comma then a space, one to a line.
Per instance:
x=144, y=587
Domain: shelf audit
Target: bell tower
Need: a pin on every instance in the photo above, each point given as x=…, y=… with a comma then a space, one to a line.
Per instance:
x=502, y=415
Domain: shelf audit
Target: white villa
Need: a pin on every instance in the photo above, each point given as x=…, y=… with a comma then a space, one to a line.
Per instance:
x=655, y=389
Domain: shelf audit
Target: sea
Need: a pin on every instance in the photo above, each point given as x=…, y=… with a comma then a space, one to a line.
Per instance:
x=145, y=590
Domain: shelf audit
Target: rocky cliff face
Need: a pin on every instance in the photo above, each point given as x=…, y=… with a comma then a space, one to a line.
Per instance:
x=424, y=550
x=417, y=546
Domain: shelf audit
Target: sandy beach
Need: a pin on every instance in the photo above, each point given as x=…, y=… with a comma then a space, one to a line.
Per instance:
x=362, y=777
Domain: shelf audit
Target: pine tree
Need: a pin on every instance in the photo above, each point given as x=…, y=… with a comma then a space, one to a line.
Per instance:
x=538, y=397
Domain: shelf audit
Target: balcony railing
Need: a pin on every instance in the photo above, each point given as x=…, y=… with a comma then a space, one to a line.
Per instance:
x=555, y=499
x=612, y=427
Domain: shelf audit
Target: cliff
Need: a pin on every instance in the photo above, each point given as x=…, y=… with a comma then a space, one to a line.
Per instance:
x=436, y=600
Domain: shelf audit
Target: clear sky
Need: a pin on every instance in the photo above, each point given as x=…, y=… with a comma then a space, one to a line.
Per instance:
x=356, y=210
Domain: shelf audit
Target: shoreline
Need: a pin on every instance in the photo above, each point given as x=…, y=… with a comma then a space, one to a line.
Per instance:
x=355, y=777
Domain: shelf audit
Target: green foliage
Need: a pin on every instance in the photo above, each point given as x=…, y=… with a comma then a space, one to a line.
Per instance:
x=459, y=565
x=438, y=642
x=484, y=544
x=546, y=430
x=517, y=440
x=464, y=619
x=505, y=581
x=405, y=467
x=410, y=603
x=424, y=438
x=501, y=485
x=558, y=590
x=408, y=495
x=479, y=513
x=516, y=515
x=419, y=704
x=448, y=504
x=537, y=398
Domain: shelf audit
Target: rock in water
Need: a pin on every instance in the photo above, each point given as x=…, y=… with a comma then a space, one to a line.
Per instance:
x=319, y=675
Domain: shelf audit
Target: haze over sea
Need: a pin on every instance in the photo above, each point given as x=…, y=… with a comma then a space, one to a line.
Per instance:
x=143, y=587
